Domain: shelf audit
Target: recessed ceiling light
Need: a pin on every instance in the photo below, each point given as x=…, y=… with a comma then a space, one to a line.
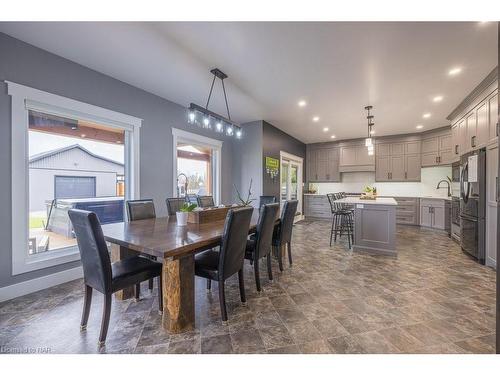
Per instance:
x=332, y=136
x=437, y=99
x=302, y=103
x=315, y=118
x=419, y=126
x=454, y=71
x=426, y=115
x=325, y=129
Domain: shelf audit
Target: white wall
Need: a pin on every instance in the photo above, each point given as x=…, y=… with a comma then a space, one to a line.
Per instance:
x=354, y=182
x=42, y=184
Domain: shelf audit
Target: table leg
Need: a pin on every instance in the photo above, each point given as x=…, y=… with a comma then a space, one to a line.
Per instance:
x=178, y=294
x=119, y=253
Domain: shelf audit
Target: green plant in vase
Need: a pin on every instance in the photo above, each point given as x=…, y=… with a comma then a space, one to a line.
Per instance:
x=183, y=213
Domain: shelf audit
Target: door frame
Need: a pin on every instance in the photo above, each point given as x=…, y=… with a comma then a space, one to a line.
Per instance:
x=300, y=162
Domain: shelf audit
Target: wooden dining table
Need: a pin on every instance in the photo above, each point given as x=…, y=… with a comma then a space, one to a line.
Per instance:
x=176, y=247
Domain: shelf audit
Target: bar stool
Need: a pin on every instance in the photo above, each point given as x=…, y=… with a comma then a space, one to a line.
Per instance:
x=342, y=220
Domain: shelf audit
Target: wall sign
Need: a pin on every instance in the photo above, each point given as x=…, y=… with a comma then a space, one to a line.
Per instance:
x=272, y=167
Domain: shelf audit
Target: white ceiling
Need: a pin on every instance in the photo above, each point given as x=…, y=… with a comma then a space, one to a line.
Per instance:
x=338, y=68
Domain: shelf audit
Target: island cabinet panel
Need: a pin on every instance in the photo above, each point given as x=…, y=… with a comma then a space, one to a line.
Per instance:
x=398, y=159
x=317, y=206
x=437, y=148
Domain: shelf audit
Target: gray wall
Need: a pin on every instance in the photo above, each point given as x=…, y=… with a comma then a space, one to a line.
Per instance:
x=31, y=66
x=274, y=141
x=247, y=161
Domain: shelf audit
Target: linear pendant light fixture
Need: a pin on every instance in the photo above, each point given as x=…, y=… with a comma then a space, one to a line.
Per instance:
x=369, y=139
x=203, y=117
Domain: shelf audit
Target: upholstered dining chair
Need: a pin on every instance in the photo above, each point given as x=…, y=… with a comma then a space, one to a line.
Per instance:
x=219, y=265
x=205, y=201
x=282, y=236
x=260, y=245
x=191, y=198
x=266, y=199
x=102, y=275
x=174, y=205
x=141, y=209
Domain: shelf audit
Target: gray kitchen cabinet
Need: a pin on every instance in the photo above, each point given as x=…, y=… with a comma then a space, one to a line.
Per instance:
x=455, y=142
x=470, y=132
x=397, y=160
x=433, y=213
x=407, y=211
x=317, y=206
x=437, y=148
x=462, y=132
x=413, y=168
x=482, y=126
x=491, y=204
x=493, y=118
x=323, y=164
x=354, y=157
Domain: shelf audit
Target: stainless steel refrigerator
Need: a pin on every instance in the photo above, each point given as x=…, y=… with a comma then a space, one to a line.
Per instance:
x=473, y=204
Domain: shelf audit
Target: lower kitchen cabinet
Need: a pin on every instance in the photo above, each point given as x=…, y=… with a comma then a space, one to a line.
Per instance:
x=317, y=206
x=407, y=211
x=434, y=213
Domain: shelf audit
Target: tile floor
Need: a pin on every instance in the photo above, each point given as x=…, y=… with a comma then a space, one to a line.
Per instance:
x=431, y=299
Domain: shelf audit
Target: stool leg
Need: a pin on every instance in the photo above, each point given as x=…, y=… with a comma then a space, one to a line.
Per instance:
x=331, y=231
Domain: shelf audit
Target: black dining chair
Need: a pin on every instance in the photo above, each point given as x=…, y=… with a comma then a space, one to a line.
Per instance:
x=191, y=198
x=259, y=246
x=102, y=275
x=283, y=232
x=174, y=205
x=266, y=199
x=141, y=209
x=205, y=201
x=219, y=265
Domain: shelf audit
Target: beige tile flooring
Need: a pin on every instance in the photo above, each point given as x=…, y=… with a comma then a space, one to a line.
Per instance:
x=432, y=298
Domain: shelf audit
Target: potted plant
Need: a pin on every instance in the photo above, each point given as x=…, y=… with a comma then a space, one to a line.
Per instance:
x=182, y=215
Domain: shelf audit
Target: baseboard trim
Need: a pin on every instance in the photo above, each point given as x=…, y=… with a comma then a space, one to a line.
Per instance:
x=44, y=282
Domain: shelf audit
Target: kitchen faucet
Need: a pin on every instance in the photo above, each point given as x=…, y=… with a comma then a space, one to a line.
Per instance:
x=448, y=186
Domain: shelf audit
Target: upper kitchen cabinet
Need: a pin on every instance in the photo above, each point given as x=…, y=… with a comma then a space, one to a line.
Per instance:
x=474, y=121
x=322, y=163
x=354, y=157
x=437, y=148
x=398, y=159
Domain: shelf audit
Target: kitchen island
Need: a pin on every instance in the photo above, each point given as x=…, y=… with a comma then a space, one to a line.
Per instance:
x=374, y=225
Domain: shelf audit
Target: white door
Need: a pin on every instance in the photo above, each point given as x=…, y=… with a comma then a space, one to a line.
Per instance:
x=291, y=180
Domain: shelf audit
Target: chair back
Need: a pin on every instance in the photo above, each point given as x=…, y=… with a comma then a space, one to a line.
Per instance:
x=141, y=209
x=265, y=229
x=205, y=201
x=266, y=199
x=286, y=224
x=93, y=250
x=191, y=198
x=174, y=205
x=332, y=197
x=234, y=241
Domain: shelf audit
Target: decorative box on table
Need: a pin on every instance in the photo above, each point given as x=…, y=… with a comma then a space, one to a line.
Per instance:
x=208, y=215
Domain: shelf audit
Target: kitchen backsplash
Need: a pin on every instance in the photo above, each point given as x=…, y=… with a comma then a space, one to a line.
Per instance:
x=354, y=182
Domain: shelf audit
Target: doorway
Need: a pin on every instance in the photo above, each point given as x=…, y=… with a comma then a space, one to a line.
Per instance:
x=291, y=180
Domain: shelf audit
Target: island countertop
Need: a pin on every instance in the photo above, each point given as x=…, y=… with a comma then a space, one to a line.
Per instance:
x=379, y=201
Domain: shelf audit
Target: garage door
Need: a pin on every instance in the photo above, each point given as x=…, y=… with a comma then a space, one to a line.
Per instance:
x=74, y=187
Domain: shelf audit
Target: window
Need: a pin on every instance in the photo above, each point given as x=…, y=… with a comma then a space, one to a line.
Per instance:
x=65, y=154
x=196, y=164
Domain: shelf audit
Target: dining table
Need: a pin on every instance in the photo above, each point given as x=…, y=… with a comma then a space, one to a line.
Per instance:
x=175, y=246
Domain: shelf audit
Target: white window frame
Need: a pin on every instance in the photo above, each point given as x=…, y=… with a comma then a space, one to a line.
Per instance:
x=300, y=162
x=23, y=99
x=199, y=140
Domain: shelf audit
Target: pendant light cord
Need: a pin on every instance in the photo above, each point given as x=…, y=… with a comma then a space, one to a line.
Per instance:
x=225, y=98
x=210, y=94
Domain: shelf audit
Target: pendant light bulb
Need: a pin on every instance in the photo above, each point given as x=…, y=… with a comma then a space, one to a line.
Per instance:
x=192, y=117
x=368, y=142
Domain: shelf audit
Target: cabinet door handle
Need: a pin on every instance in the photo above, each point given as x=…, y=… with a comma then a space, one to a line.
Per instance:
x=473, y=141
x=456, y=149
x=391, y=175
x=437, y=160
x=496, y=132
x=388, y=174
x=406, y=175
x=327, y=176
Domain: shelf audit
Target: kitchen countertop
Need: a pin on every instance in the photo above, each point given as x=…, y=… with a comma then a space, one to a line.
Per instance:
x=378, y=201
x=395, y=196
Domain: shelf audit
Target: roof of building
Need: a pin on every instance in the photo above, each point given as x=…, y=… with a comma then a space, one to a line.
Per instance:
x=47, y=154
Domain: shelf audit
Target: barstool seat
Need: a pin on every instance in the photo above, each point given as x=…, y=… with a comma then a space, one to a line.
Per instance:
x=342, y=218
